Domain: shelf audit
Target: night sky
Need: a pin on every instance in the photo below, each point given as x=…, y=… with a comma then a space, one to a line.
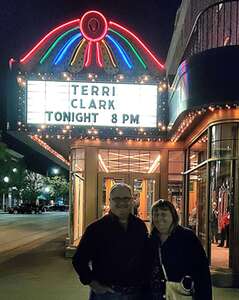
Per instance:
x=24, y=22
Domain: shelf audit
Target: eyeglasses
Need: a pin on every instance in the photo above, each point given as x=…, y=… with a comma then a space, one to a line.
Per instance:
x=122, y=202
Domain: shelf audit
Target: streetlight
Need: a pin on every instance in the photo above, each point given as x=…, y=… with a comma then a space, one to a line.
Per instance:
x=47, y=189
x=6, y=179
x=55, y=171
x=4, y=206
x=14, y=170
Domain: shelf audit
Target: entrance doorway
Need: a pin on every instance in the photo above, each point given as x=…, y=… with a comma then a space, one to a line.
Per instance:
x=145, y=191
x=138, y=168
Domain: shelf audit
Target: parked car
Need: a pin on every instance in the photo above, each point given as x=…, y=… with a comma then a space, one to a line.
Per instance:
x=26, y=208
x=58, y=207
x=13, y=210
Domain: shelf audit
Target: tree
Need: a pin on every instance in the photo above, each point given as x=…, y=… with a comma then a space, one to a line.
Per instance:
x=58, y=187
x=33, y=183
x=11, y=168
x=18, y=179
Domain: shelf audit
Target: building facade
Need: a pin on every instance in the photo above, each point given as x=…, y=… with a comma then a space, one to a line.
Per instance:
x=204, y=91
x=93, y=93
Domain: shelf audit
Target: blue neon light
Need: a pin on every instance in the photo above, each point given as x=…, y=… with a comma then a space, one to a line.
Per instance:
x=121, y=51
x=64, y=49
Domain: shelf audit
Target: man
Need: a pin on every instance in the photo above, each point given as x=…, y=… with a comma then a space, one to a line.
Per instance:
x=136, y=204
x=214, y=223
x=110, y=256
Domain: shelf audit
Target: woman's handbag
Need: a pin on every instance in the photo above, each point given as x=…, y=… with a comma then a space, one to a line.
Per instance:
x=177, y=290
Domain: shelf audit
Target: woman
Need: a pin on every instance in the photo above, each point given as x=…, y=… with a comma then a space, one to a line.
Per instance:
x=181, y=254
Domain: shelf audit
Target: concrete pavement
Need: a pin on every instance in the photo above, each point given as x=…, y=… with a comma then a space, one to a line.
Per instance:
x=21, y=233
x=45, y=274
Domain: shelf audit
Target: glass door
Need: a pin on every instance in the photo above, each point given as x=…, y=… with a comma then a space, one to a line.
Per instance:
x=197, y=205
x=220, y=211
x=145, y=191
x=105, y=182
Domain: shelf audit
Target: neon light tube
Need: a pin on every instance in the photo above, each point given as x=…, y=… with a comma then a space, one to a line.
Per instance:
x=82, y=42
x=64, y=49
x=131, y=47
x=121, y=51
x=109, y=54
x=89, y=54
x=44, y=57
x=46, y=37
x=98, y=55
x=139, y=41
x=105, y=26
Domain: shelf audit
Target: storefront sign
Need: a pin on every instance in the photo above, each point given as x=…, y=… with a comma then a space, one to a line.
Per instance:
x=98, y=104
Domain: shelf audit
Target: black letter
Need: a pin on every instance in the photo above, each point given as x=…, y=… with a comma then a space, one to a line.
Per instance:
x=81, y=103
x=87, y=117
x=84, y=90
x=72, y=103
x=113, y=89
x=102, y=104
x=94, y=90
x=49, y=113
x=134, y=119
x=111, y=104
x=66, y=116
x=125, y=118
x=58, y=116
x=92, y=104
x=79, y=117
x=74, y=88
x=94, y=115
x=105, y=90
x=114, y=118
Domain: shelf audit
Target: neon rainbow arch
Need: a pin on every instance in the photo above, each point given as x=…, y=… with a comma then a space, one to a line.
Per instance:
x=90, y=40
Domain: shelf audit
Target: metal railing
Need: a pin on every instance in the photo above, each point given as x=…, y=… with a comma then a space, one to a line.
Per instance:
x=216, y=26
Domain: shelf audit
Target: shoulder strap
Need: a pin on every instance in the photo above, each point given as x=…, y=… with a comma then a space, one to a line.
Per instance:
x=161, y=263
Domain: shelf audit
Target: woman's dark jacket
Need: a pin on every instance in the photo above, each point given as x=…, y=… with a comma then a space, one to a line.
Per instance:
x=182, y=254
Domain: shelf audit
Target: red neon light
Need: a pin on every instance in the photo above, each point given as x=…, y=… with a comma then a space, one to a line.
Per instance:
x=99, y=55
x=105, y=29
x=31, y=52
x=139, y=41
x=88, y=55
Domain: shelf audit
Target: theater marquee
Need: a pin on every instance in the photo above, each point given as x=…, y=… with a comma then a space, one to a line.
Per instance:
x=98, y=104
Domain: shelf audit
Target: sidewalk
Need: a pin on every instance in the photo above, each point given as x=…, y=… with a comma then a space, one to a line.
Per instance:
x=45, y=274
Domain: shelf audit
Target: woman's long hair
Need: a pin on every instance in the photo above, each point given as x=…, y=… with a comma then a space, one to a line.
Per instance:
x=164, y=205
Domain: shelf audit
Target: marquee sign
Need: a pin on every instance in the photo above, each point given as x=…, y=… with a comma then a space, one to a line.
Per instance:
x=91, y=104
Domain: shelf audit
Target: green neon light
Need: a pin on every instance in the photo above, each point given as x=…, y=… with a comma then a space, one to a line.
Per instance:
x=132, y=48
x=54, y=44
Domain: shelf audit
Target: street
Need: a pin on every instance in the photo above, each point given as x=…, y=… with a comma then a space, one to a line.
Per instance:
x=22, y=232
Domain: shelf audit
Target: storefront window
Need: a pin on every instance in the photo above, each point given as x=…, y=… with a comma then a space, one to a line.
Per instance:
x=77, y=195
x=128, y=161
x=214, y=185
x=222, y=140
x=197, y=214
x=221, y=183
x=78, y=161
x=198, y=151
x=175, y=179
